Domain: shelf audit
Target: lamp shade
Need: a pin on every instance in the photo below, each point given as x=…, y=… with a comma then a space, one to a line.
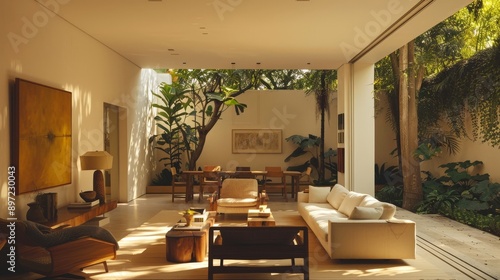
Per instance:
x=96, y=160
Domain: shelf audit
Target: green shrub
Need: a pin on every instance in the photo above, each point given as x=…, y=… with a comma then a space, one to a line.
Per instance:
x=164, y=178
x=391, y=194
x=465, y=197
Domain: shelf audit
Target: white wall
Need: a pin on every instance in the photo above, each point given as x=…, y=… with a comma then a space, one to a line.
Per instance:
x=356, y=96
x=42, y=48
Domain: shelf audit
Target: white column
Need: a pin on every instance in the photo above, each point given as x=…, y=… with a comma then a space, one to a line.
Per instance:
x=355, y=100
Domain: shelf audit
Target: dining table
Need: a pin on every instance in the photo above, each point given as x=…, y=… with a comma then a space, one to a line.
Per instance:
x=190, y=176
x=294, y=180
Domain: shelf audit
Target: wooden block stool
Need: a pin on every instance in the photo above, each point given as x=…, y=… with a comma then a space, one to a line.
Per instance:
x=186, y=246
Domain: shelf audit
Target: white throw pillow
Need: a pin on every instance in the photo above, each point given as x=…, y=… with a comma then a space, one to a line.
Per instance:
x=389, y=209
x=318, y=194
x=352, y=200
x=337, y=195
x=366, y=213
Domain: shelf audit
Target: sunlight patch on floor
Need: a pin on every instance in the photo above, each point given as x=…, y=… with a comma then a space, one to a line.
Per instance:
x=380, y=272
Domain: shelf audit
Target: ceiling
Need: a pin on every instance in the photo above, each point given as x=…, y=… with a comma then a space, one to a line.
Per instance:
x=253, y=34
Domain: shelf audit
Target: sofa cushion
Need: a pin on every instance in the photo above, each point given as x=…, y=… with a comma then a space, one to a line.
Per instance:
x=237, y=202
x=318, y=194
x=317, y=216
x=351, y=200
x=337, y=195
x=389, y=209
x=366, y=213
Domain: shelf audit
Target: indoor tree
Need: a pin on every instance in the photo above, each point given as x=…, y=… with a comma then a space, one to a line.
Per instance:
x=322, y=84
x=212, y=93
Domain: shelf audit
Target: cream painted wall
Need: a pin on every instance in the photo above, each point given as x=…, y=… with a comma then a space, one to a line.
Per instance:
x=469, y=150
x=385, y=139
x=290, y=111
x=40, y=47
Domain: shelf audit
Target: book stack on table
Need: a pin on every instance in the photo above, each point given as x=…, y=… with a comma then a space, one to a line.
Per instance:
x=83, y=204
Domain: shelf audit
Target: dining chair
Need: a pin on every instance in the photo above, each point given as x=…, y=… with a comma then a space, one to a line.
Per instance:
x=243, y=172
x=305, y=178
x=178, y=182
x=210, y=179
x=275, y=179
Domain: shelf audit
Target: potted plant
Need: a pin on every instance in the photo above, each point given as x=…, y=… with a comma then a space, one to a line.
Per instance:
x=188, y=216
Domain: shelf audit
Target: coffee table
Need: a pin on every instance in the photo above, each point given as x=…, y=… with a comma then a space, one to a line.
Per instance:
x=257, y=218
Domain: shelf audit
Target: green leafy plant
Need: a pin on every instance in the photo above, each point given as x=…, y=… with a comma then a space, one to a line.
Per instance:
x=463, y=196
x=310, y=146
x=163, y=178
x=387, y=176
x=484, y=196
x=436, y=200
x=173, y=107
x=391, y=194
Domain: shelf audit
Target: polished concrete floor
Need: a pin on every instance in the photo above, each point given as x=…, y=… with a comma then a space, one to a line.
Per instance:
x=447, y=249
x=456, y=243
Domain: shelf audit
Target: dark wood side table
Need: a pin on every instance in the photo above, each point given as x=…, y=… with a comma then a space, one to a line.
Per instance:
x=74, y=217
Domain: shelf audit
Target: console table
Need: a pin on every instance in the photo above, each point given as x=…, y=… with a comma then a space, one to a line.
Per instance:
x=76, y=216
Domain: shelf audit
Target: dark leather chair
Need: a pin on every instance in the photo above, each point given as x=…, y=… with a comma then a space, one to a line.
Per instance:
x=75, y=252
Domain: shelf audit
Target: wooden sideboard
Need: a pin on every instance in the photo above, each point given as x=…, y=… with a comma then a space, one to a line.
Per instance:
x=75, y=217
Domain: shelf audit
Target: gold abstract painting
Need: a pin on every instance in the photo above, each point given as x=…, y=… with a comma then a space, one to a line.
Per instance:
x=41, y=138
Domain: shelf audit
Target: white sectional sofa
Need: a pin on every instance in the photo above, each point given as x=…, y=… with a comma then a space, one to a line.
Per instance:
x=351, y=225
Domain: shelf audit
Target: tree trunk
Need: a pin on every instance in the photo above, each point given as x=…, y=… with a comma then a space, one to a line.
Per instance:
x=408, y=121
x=202, y=134
x=324, y=100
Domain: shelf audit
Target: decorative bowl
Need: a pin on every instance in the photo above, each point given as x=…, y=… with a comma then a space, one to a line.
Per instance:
x=88, y=196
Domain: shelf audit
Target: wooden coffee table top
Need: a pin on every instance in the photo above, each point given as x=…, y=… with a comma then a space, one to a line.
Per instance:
x=255, y=218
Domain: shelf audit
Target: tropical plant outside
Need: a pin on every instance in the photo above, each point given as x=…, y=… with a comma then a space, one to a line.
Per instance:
x=462, y=195
x=414, y=71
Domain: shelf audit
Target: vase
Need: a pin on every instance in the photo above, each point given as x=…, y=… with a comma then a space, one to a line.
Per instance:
x=189, y=219
x=35, y=213
x=48, y=203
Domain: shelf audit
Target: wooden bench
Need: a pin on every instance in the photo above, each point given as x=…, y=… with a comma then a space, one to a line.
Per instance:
x=258, y=243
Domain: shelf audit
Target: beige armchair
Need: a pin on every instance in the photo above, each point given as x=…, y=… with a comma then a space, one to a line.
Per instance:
x=237, y=195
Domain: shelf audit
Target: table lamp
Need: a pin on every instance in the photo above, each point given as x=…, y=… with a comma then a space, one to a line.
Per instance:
x=97, y=160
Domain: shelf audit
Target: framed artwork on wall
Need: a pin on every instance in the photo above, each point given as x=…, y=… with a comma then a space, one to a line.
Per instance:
x=41, y=136
x=340, y=121
x=257, y=141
